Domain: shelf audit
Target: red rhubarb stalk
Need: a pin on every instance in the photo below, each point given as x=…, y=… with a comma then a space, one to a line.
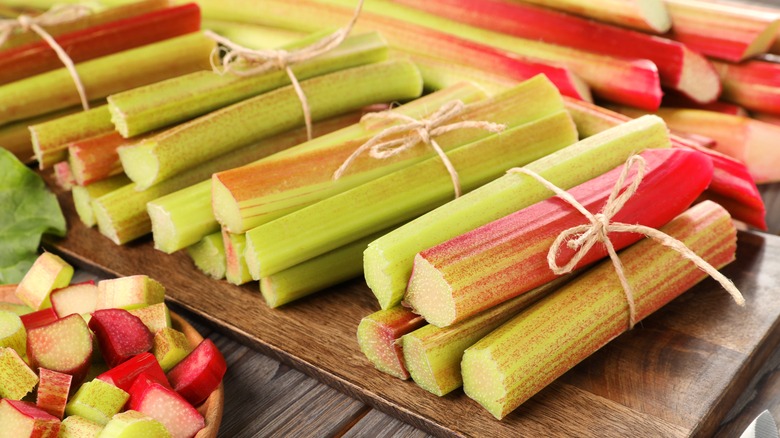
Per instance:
x=104, y=39
x=379, y=337
x=505, y=258
x=678, y=67
x=96, y=158
x=754, y=84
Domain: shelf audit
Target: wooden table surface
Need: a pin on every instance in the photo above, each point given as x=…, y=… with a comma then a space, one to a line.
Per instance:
x=264, y=397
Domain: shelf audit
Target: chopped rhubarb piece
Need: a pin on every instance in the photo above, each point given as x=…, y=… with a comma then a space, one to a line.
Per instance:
x=49, y=272
x=12, y=332
x=130, y=292
x=153, y=399
x=754, y=84
x=53, y=390
x=120, y=334
x=25, y=420
x=97, y=400
x=131, y=424
x=76, y=426
x=199, y=374
x=39, y=318
x=155, y=317
x=64, y=345
x=77, y=298
x=123, y=375
x=16, y=378
x=170, y=347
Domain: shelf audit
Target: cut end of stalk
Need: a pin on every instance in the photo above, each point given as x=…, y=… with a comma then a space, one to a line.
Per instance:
x=436, y=304
x=699, y=80
x=105, y=223
x=252, y=262
x=387, y=289
x=655, y=14
x=83, y=203
x=236, y=271
x=225, y=206
x=380, y=348
x=483, y=381
x=763, y=42
x=140, y=163
x=119, y=119
x=163, y=229
x=209, y=255
x=418, y=366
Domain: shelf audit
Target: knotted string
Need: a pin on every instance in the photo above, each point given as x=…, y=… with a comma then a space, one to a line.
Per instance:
x=255, y=62
x=582, y=237
x=419, y=131
x=56, y=15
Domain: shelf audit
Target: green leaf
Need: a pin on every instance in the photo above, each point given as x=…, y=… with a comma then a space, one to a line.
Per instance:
x=27, y=210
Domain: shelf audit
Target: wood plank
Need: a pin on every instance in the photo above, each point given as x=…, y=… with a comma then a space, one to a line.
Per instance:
x=640, y=397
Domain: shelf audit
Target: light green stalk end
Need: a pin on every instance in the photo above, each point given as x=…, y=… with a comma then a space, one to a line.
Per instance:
x=209, y=255
x=378, y=335
x=236, y=271
x=182, y=218
x=316, y=274
x=222, y=131
x=388, y=260
x=179, y=99
x=50, y=139
x=84, y=195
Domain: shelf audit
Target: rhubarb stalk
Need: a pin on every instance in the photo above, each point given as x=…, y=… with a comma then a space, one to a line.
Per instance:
x=16, y=136
x=388, y=260
x=645, y=15
x=84, y=195
x=399, y=196
x=209, y=255
x=96, y=158
x=507, y=367
x=754, y=84
x=50, y=139
x=379, y=334
x=236, y=271
x=475, y=271
x=198, y=141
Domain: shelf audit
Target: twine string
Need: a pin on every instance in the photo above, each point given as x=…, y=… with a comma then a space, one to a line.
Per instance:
x=582, y=238
x=383, y=145
x=56, y=15
x=253, y=62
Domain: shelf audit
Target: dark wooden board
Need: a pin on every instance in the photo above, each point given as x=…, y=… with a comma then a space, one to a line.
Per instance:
x=676, y=374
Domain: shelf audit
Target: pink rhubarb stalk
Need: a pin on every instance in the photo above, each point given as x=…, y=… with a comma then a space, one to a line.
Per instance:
x=379, y=337
x=94, y=159
x=505, y=258
x=678, y=67
x=677, y=100
x=754, y=84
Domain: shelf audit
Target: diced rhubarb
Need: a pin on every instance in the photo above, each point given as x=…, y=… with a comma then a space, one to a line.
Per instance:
x=25, y=420
x=155, y=317
x=123, y=375
x=16, y=377
x=47, y=273
x=379, y=337
x=97, y=400
x=198, y=374
x=12, y=332
x=134, y=424
x=170, y=347
x=64, y=345
x=39, y=318
x=174, y=412
x=131, y=292
x=77, y=298
x=53, y=390
x=120, y=335
x=679, y=68
x=76, y=426
x=105, y=39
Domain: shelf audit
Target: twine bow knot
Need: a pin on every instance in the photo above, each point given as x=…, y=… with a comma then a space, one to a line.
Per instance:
x=253, y=62
x=56, y=15
x=383, y=145
x=582, y=238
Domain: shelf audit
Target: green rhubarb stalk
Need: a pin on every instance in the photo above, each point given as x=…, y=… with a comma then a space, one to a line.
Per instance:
x=379, y=334
x=16, y=136
x=242, y=202
x=103, y=76
x=198, y=141
x=50, y=139
x=179, y=99
x=84, y=195
x=399, y=196
x=209, y=255
x=236, y=271
x=388, y=260
x=316, y=274
x=514, y=362
x=182, y=218
x=432, y=355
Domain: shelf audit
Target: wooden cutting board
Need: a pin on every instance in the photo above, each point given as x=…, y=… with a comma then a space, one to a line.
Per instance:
x=676, y=374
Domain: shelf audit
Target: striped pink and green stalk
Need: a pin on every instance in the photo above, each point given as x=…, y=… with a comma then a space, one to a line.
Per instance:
x=521, y=357
x=678, y=67
x=84, y=195
x=242, y=202
x=616, y=79
x=727, y=31
x=236, y=271
x=646, y=15
x=16, y=138
x=96, y=158
x=731, y=181
x=754, y=84
x=379, y=337
x=50, y=139
x=63, y=175
x=432, y=355
x=505, y=258
x=404, y=37
x=747, y=140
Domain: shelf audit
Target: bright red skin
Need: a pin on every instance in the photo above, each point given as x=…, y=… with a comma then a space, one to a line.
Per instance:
x=53, y=390
x=101, y=40
x=38, y=319
x=46, y=425
x=120, y=334
x=144, y=387
x=198, y=374
x=123, y=375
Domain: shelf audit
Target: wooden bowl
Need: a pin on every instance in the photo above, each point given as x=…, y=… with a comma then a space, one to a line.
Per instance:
x=212, y=408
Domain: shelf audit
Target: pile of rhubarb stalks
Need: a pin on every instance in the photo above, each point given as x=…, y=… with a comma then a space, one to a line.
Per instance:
x=88, y=360
x=221, y=165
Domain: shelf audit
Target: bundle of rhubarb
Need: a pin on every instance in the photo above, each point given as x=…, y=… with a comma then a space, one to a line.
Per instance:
x=484, y=309
x=107, y=359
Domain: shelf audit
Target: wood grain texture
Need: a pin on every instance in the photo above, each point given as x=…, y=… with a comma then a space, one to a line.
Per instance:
x=640, y=385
